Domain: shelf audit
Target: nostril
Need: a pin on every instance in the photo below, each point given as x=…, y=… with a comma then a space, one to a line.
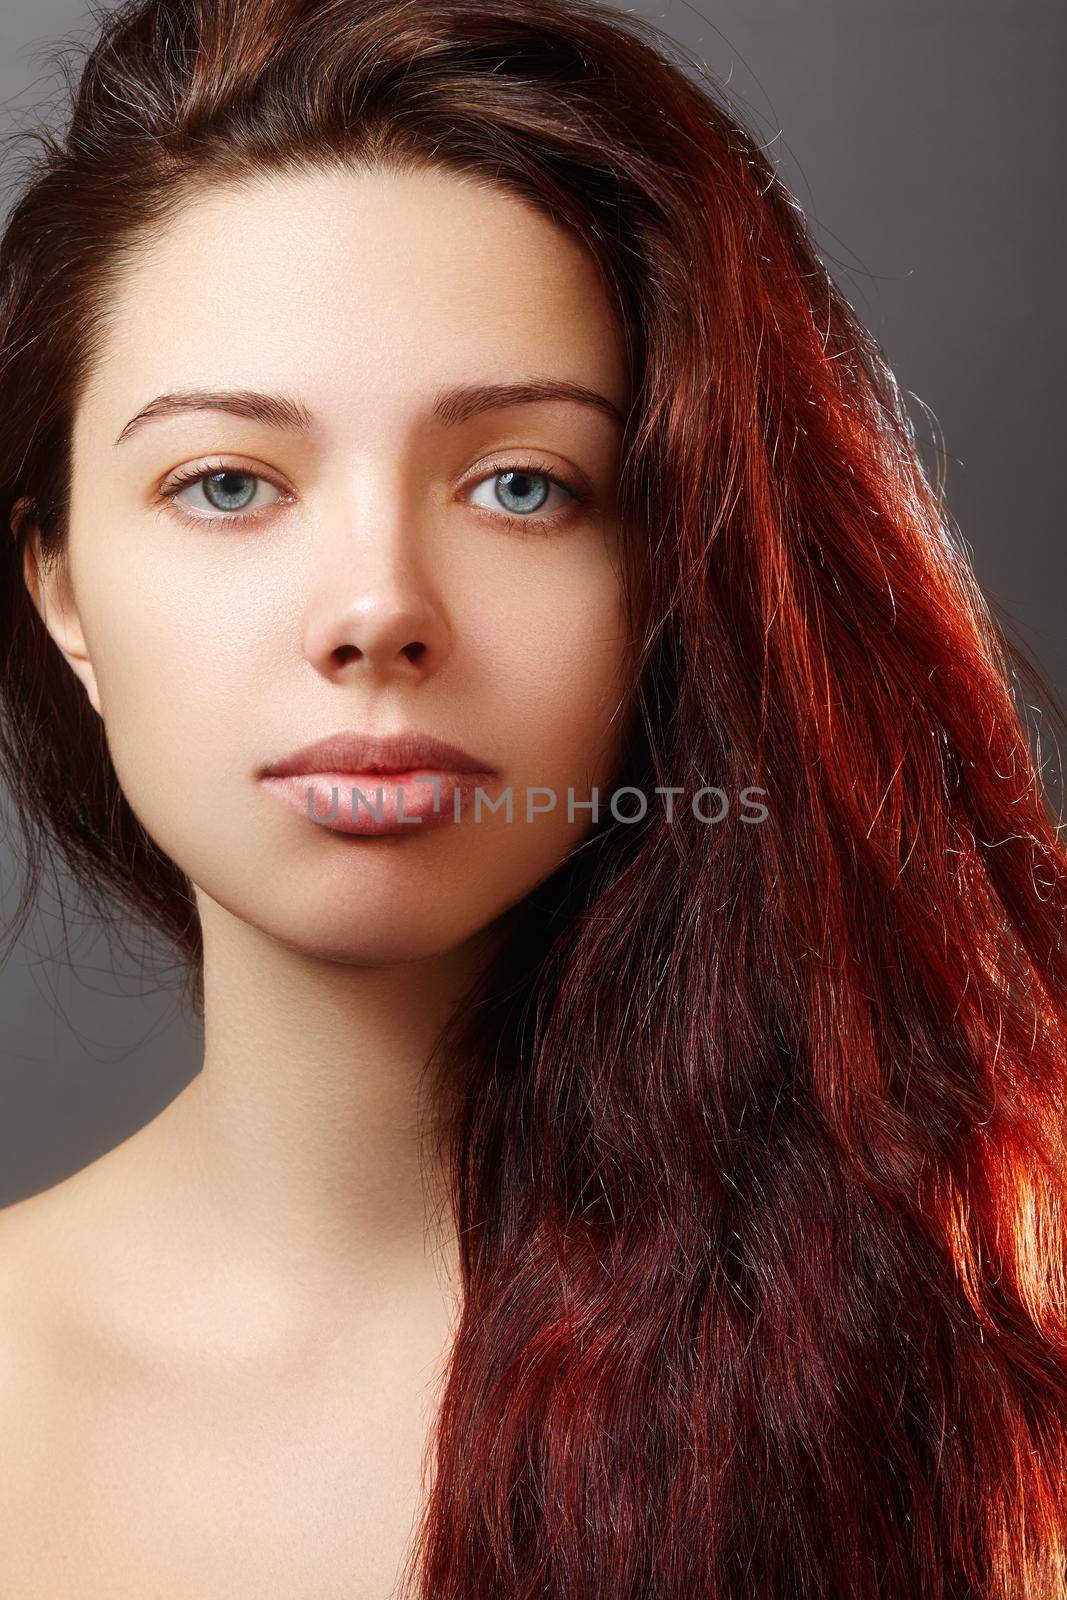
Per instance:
x=414, y=652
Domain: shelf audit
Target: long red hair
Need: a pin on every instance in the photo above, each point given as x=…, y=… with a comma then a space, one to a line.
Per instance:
x=757, y=1131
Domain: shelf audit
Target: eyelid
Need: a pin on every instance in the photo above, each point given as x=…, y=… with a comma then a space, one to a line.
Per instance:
x=520, y=460
x=182, y=477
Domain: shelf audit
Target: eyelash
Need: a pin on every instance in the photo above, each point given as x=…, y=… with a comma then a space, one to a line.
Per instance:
x=190, y=475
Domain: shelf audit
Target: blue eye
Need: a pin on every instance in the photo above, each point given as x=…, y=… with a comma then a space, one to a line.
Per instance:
x=519, y=492
x=225, y=489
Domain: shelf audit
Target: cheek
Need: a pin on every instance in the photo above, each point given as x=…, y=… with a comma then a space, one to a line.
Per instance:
x=163, y=632
x=561, y=652
x=169, y=660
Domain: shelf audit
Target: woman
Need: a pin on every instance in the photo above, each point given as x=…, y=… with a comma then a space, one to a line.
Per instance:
x=662, y=1200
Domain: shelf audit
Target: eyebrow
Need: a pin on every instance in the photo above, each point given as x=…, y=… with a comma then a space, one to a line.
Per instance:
x=450, y=406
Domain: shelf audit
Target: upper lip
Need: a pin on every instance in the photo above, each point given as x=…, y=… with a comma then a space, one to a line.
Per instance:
x=349, y=751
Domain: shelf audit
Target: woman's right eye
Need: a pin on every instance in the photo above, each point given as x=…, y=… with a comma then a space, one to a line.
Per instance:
x=230, y=492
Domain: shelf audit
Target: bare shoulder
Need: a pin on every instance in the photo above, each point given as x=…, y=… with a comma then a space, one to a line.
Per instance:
x=68, y=1281
x=53, y=1249
x=30, y=1231
x=35, y=1366
x=52, y=1364
x=59, y=1247
x=41, y=1246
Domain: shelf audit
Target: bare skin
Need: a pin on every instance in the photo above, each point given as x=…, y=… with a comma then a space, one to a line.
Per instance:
x=222, y=1343
x=165, y=1436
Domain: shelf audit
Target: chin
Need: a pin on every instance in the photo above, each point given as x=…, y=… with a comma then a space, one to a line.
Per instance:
x=335, y=921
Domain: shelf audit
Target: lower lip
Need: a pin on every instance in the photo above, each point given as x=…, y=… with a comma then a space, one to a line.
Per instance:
x=407, y=802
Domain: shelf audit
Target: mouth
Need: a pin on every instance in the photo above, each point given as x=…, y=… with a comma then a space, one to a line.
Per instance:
x=373, y=785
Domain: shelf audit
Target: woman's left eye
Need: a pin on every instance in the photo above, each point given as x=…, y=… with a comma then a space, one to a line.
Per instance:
x=228, y=489
x=519, y=493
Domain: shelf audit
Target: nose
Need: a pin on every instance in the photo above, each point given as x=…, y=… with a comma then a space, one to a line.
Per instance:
x=373, y=612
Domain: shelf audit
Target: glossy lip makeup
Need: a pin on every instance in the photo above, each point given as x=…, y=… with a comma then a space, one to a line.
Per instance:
x=406, y=782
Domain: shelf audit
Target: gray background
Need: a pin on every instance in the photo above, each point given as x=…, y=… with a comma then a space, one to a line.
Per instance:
x=924, y=140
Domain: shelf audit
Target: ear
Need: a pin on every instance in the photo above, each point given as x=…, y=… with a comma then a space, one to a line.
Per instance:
x=50, y=590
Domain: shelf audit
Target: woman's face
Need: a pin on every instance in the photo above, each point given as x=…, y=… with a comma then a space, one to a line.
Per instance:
x=346, y=561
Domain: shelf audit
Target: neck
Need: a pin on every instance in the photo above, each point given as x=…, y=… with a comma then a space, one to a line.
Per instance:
x=305, y=1139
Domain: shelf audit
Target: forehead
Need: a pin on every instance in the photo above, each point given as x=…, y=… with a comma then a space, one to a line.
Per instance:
x=347, y=282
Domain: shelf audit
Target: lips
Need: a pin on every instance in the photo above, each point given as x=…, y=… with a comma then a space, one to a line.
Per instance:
x=379, y=754
x=389, y=773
